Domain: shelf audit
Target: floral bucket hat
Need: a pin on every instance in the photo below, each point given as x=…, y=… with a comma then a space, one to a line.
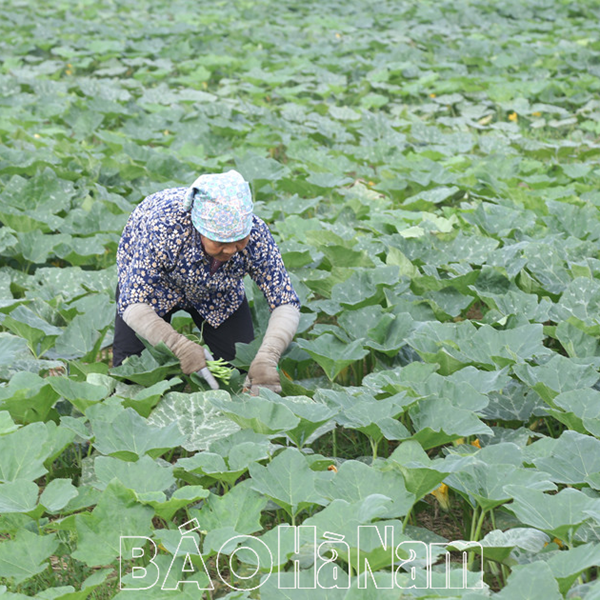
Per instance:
x=221, y=206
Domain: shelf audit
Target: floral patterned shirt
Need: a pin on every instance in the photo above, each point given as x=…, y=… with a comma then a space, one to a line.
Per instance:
x=161, y=262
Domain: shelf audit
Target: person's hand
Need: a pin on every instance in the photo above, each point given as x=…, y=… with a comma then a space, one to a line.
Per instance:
x=144, y=321
x=190, y=355
x=263, y=373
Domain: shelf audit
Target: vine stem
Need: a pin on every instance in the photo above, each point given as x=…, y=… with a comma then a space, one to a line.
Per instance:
x=334, y=440
x=475, y=536
x=407, y=518
x=473, y=522
x=479, y=525
x=374, y=446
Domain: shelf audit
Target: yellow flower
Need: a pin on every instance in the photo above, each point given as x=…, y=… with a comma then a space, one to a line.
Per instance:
x=476, y=443
x=513, y=117
x=536, y=114
x=338, y=35
x=432, y=95
x=441, y=495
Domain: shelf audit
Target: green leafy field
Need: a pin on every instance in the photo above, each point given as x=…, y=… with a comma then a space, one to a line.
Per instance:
x=431, y=173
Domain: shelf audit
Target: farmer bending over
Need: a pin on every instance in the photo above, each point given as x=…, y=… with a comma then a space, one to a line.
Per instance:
x=190, y=249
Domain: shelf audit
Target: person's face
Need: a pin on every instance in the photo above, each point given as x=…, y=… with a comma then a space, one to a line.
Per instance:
x=223, y=251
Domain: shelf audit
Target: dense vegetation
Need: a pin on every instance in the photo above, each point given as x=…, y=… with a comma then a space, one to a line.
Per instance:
x=430, y=171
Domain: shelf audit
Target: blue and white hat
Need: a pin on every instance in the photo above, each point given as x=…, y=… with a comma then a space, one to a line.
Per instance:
x=221, y=206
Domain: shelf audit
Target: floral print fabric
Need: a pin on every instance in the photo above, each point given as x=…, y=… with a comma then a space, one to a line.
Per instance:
x=161, y=262
x=221, y=206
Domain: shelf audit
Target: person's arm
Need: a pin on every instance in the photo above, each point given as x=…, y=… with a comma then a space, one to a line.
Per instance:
x=281, y=329
x=269, y=273
x=149, y=247
x=145, y=322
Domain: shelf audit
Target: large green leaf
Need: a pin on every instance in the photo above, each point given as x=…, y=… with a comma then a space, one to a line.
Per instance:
x=211, y=465
x=143, y=399
x=23, y=452
x=559, y=374
x=117, y=514
x=332, y=354
x=559, y=515
x=356, y=322
x=239, y=447
x=500, y=453
x=485, y=484
x=354, y=481
x=375, y=418
x=363, y=287
x=224, y=517
x=546, y=263
x=459, y=388
x=145, y=475
x=57, y=494
x=18, y=496
x=530, y=582
x=59, y=438
x=226, y=463
x=516, y=402
x=15, y=357
x=578, y=409
x=421, y=474
x=25, y=556
x=312, y=415
x=28, y=397
x=40, y=334
x=195, y=417
x=579, y=301
x=127, y=435
x=288, y=481
x=439, y=343
x=7, y=425
x=575, y=341
x=399, y=379
x=80, y=339
x=573, y=460
x=255, y=167
x=80, y=393
x=145, y=369
x=498, y=545
x=454, y=346
x=438, y=421
x=390, y=334
x=181, y=498
x=434, y=196
x=344, y=519
x=567, y=566
x=489, y=346
x=259, y=414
